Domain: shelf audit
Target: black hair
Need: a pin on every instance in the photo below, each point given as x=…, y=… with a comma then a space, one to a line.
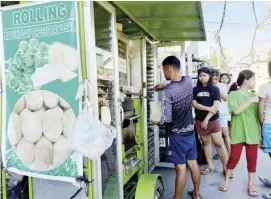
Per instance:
x=243, y=75
x=225, y=74
x=215, y=72
x=210, y=85
x=207, y=71
x=173, y=61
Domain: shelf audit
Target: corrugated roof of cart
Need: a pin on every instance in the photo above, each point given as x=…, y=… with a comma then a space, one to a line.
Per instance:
x=162, y=20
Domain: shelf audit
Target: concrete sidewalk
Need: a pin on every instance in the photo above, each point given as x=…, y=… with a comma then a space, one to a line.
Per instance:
x=210, y=183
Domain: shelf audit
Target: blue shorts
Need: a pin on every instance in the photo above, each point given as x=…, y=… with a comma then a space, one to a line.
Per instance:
x=179, y=149
x=266, y=132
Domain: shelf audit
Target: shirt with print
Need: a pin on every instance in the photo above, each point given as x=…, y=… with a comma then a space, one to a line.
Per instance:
x=265, y=93
x=245, y=127
x=223, y=106
x=177, y=107
x=205, y=97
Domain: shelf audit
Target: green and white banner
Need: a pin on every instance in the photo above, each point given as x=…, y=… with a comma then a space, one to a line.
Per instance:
x=41, y=74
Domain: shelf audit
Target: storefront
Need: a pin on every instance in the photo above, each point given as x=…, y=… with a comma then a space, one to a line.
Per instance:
x=118, y=45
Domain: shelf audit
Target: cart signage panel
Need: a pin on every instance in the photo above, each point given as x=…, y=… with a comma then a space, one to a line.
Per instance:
x=41, y=74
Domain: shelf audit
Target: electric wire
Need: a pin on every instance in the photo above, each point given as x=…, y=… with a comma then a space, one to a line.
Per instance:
x=217, y=35
x=223, y=24
x=255, y=31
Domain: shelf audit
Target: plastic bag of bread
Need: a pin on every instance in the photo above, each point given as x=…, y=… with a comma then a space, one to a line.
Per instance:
x=156, y=111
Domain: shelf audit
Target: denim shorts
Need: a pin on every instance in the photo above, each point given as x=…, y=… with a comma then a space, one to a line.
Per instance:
x=179, y=149
x=266, y=132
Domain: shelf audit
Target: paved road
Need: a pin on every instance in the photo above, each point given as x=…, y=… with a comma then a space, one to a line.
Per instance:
x=210, y=183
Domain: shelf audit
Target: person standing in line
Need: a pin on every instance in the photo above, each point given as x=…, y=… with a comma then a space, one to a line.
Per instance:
x=226, y=79
x=243, y=105
x=223, y=109
x=178, y=120
x=206, y=99
x=265, y=119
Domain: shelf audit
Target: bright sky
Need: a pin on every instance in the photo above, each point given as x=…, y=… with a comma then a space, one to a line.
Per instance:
x=238, y=29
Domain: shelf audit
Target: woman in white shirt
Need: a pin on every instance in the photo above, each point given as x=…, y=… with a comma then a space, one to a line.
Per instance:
x=223, y=108
x=226, y=79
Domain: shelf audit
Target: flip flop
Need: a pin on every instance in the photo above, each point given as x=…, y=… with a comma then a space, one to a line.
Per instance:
x=207, y=171
x=252, y=192
x=265, y=182
x=223, y=188
x=267, y=196
x=191, y=194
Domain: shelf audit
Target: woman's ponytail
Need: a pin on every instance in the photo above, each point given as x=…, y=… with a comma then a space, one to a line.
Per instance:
x=243, y=75
x=234, y=87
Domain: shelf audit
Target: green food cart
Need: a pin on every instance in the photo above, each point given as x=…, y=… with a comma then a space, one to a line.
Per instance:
x=117, y=52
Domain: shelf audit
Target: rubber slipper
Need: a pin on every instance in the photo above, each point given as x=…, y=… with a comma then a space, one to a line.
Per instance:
x=265, y=182
x=207, y=171
x=267, y=196
x=191, y=194
x=223, y=188
x=252, y=192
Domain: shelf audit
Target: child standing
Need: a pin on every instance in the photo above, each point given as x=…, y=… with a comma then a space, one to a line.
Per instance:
x=243, y=105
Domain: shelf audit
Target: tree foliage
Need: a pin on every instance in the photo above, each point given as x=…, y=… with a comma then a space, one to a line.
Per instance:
x=214, y=62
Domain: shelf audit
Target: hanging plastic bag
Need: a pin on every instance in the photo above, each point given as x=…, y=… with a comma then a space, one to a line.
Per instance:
x=89, y=136
x=156, y=111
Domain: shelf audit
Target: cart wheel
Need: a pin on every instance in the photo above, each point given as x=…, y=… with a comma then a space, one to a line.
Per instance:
x=159, y=189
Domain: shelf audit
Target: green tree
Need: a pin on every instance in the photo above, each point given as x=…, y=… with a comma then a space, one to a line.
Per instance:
x=214, y=62
x=204, y=58
x=223, y=66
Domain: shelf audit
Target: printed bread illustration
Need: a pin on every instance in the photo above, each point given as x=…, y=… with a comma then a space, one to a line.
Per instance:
x=38, y=128
x=28, y=57
x=37, y=63
x=61, y=53
x=15, y=129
